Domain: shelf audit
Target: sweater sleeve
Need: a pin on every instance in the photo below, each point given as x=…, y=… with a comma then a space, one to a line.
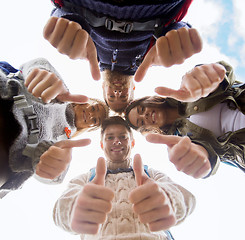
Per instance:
x=63, y=207
x=183, y=202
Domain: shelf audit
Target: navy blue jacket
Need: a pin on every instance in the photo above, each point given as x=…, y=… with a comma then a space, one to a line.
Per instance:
x=124, y=52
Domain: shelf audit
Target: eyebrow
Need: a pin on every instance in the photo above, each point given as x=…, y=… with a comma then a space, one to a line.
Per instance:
x=109, y=134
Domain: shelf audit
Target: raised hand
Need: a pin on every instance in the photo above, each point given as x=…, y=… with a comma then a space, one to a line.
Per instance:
x=70, y=39
x=150, y=202
x=197, y=83
x=173, y=48
x=48, y=86
x=93, y=203
x=187, y=157
x=57, y=158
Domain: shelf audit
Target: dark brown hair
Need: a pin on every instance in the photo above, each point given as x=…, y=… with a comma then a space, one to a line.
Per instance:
x=148, y=101
x=112, y=121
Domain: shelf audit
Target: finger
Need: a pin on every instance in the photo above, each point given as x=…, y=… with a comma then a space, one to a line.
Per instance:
x=73, y=98
x=186, y=43
x=93, y=59
x=66, y=43
x=220, y=69
x=140, y=175
x=203, y=171
x=56, y=153
x=193, y=85
x=73, y=143
x=101, y=169
x=55, y=37
x=162, y=139
x=155, y=214
x=31, y=76
x=142, y=193
x=84, y=227
x=41, y=75
x=48, y=88
x=98, y=192
x=156, y=200
x=147, y=62
x=96, y=217
x=49, y=27
x=163, y=224
x=179, y=150
x=50, y=169
x=79, y=46
x=176, y=52
x=196, y=40
x=180, y=95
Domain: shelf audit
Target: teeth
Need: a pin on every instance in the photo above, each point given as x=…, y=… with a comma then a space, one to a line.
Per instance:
x=153, y=117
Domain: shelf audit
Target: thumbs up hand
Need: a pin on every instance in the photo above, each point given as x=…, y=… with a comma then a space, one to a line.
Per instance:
x=93, y=203
x=57, y=158
x=47, y=86
x=173, y=48
x=188, y=157
x=150, y=202
x=70, y=39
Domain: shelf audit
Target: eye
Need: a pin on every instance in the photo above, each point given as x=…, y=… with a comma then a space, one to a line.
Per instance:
x=110, y=138
x=92, y=109
x=123, y=137
x=94, y=120
x=142, y=122
x=142, y=109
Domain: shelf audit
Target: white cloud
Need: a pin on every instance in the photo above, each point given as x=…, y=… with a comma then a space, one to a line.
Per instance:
x=206, y=17
x=239, y=29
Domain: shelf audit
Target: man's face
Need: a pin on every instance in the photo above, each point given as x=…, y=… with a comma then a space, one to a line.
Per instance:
x=117, y=143
x=117, y=94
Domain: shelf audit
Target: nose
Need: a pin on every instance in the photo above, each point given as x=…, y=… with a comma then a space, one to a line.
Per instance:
x=117, y=93
x=117, y=141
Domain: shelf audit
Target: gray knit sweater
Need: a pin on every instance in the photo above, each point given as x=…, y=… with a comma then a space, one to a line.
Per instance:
x=52, y=118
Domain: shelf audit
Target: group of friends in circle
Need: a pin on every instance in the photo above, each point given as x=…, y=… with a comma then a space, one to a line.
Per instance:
x=202, y=123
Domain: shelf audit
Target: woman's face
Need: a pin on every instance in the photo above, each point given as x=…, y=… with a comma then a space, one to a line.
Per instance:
x=147, y=116
x=89, y=115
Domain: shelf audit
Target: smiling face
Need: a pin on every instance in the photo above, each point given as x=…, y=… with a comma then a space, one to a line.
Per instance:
x=117, y=90
x=147, y=116
x=89, y=115
x=116, y=143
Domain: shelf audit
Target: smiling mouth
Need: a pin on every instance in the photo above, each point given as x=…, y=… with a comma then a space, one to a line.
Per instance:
x=84, y=116
x=117, y=149
x=153, y=116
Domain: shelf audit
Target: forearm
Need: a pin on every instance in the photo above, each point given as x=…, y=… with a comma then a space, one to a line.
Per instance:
x=62, y=211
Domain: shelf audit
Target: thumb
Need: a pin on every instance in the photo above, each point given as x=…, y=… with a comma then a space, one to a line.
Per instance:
x=147, y=62
x=163, y=139
x=93, y=60
x=101, y=169
x=140, y=175
x=73, y=143
x=74, y=98
x=180, y=94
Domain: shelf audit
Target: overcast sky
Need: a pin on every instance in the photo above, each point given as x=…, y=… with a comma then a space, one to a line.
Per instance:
x=27, y=213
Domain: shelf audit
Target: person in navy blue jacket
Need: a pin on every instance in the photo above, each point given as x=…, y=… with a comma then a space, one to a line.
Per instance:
x=125, y=37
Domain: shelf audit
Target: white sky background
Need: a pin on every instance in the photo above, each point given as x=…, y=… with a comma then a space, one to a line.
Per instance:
x=27, y=213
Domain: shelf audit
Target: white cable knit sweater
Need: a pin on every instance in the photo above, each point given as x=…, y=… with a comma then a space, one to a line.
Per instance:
x=121, y=222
